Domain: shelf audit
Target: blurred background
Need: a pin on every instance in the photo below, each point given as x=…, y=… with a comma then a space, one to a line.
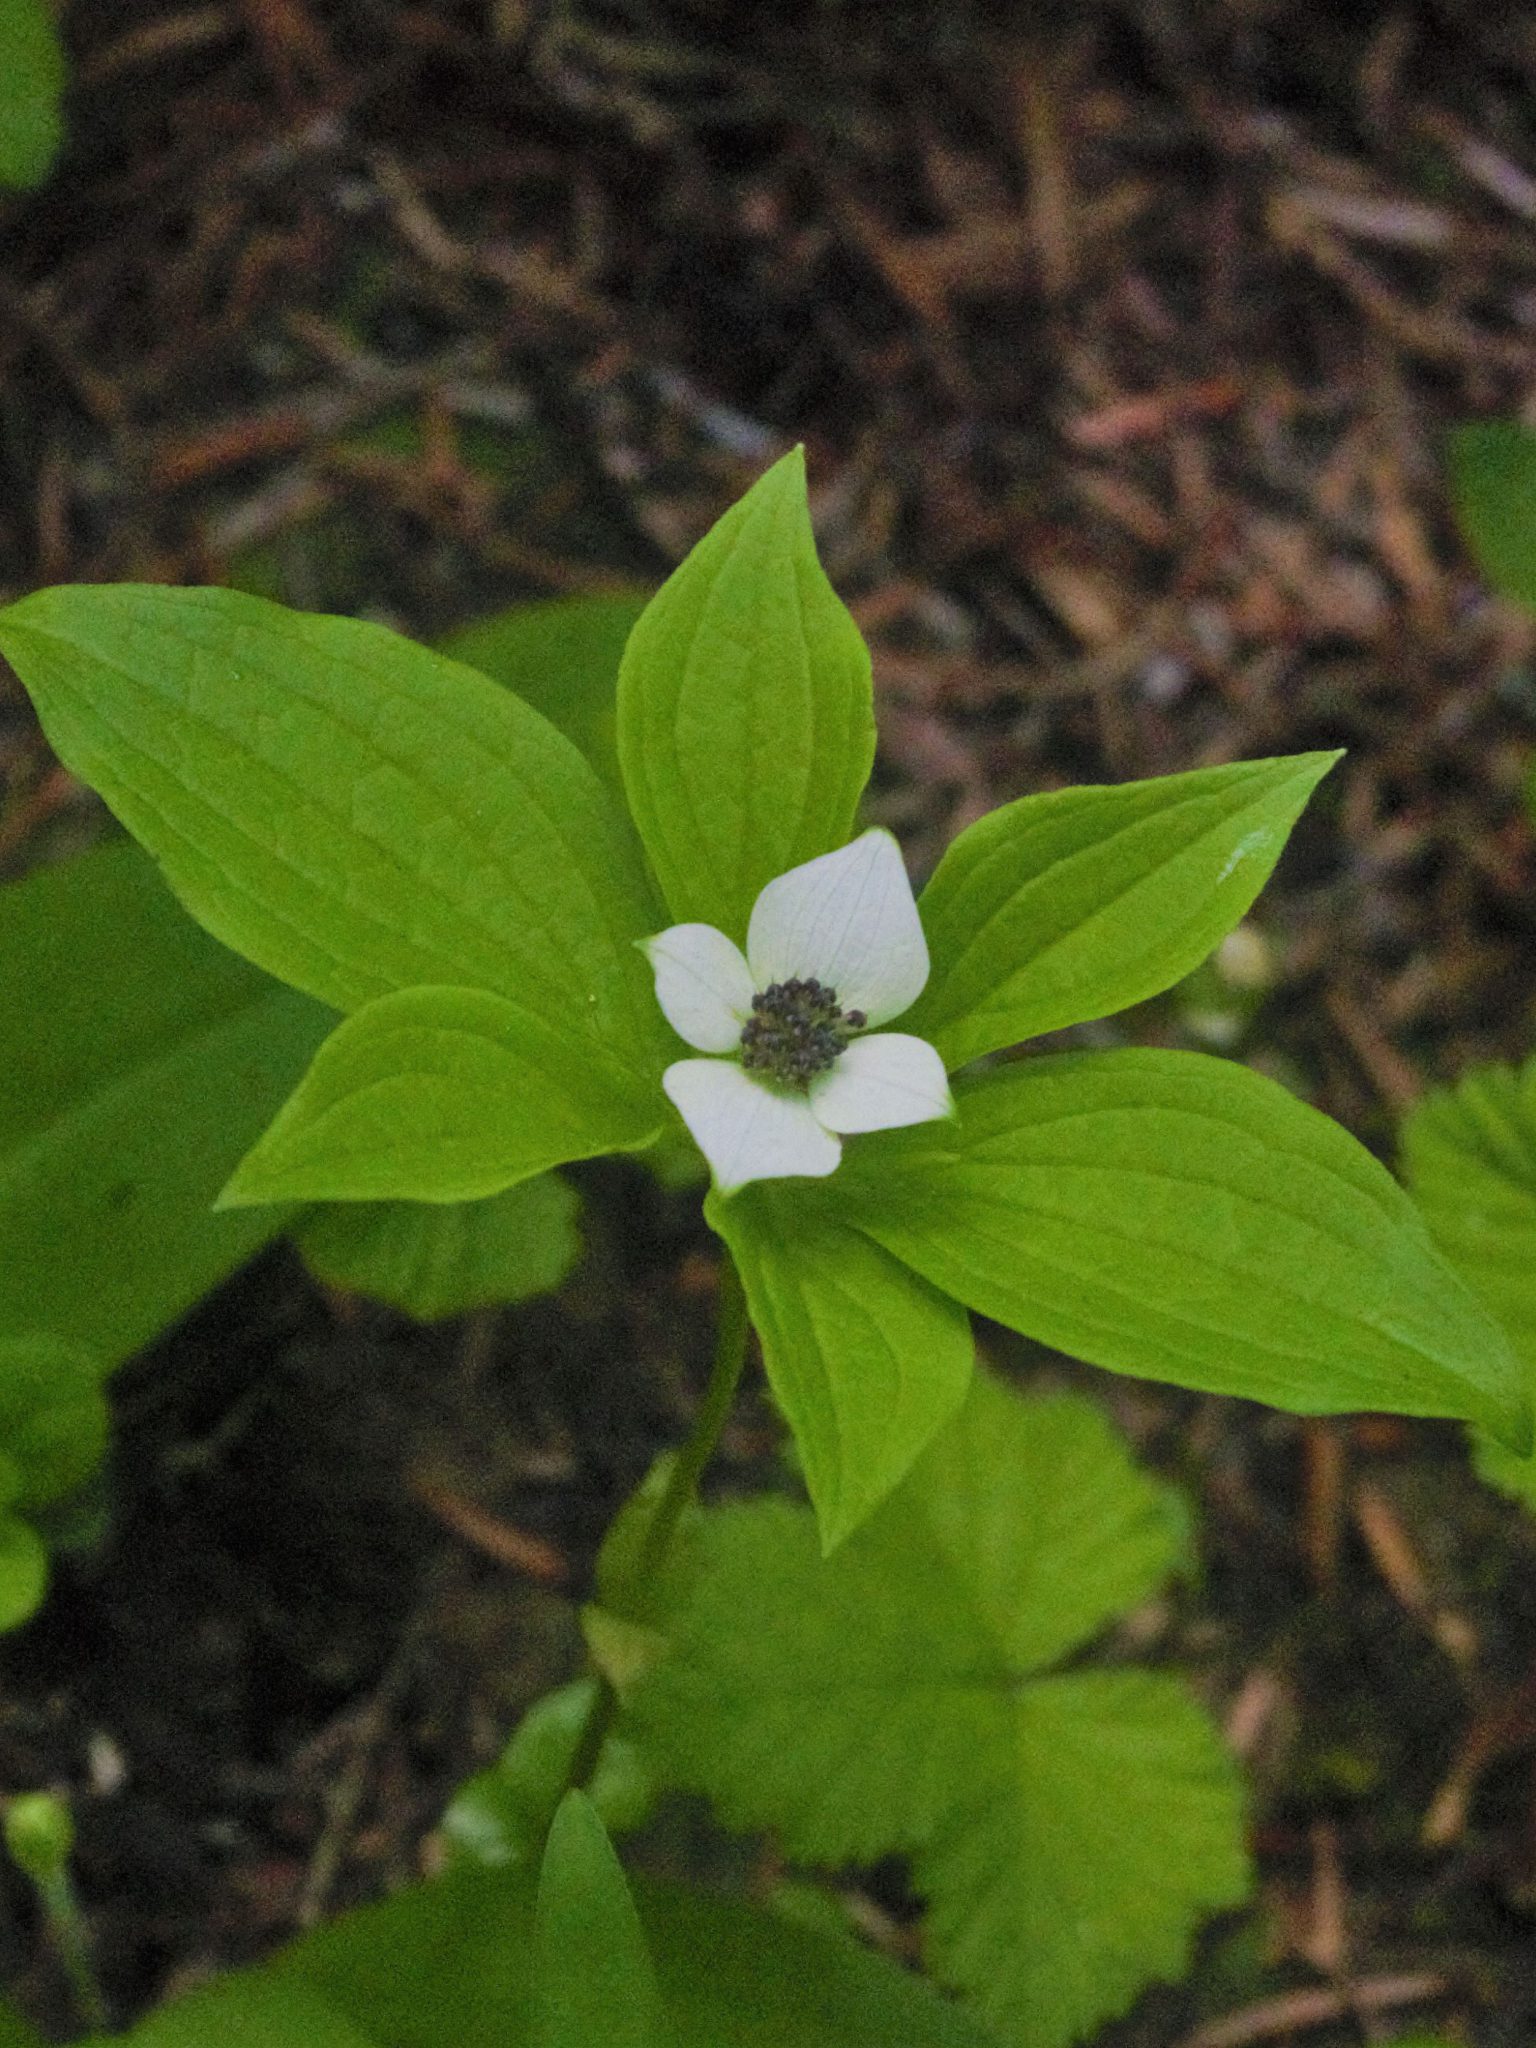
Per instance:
x=1125, y=340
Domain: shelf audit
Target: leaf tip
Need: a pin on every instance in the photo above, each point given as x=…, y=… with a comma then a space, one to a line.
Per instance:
x=243, y=1189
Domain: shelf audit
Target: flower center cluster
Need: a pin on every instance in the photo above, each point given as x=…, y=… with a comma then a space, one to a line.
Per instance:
x=796, y=1031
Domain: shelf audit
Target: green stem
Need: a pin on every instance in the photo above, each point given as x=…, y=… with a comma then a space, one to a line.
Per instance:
x=681, y=1489
x=66, y=1922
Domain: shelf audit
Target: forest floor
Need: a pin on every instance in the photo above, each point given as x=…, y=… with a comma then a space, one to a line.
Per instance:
x=1124, y=340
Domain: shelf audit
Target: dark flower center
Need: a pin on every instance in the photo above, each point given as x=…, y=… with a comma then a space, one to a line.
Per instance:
x=796, y=1031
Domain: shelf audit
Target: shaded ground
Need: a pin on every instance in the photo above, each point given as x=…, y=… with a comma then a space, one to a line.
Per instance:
x=1123, y=342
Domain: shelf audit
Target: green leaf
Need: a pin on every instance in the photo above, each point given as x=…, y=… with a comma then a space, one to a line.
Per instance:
x=592, y=1975
x=138, y=1059
x=1036, y=1505
x=438, y=1095
x=53, y=1419
x=23, y=1571
x=346, y=809
x=1469, y=1153
x=745, y=720
x=1184, y=1219
x=445, y=1965
x=892, y=1699
x=1079, y=902
x=256, y=2009
x=32, y=80
x=736, y=1977
x=865, y=1359
x=500, y=1816
x=563, y=659
x=1493, y=485
x=1057, y=1899
x=437, y=1259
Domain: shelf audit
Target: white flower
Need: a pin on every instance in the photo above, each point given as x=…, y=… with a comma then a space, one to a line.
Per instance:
x=834, y=948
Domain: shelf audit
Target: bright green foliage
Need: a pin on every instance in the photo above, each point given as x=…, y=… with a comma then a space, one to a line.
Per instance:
x=394, y=832
x=864, y=1357
x=1493, y=479
x=1068, y=1831
x=32, y=83
x=436, y=1259
x=1469, y=1153
x=1079, y=902
x=348, y=810
x=1056, y=1902
x=53, y=1434
x=1183, y=1218
x=501, y=1815
x=592, y=1976
x=446, y=1966
x=137, y=1062
x=441, y=1095
x=745, y=720
x=563, y=659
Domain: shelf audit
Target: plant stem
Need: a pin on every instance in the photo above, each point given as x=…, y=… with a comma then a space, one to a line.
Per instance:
x=66, y=1923
x=681, y=1489
x=719, y=1396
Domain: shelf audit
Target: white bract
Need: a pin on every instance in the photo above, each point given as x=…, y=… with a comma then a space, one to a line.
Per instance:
x=834, y=948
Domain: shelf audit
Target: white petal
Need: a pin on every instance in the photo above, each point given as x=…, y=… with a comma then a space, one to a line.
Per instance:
x=746, y=1131
x=848, y=919
x=702, y=984
x=881, y=1082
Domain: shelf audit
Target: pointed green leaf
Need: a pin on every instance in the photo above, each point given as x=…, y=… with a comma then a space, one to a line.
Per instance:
x=1493, y=483
x=865, y=1359
x=438, y=1095
x=1085, y=1874
x=1184, y=1219
x=592, y=1975
x=746, y=724
x=437, y=1259
x=346, y=809
x=890, y=1699
x=138, y=1059
x=1079, y=902
x=445, y=1965
x=32, y=80
x=1470, y=1157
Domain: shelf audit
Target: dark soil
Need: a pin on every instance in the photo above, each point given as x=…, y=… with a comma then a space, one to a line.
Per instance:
x=1124, y=339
